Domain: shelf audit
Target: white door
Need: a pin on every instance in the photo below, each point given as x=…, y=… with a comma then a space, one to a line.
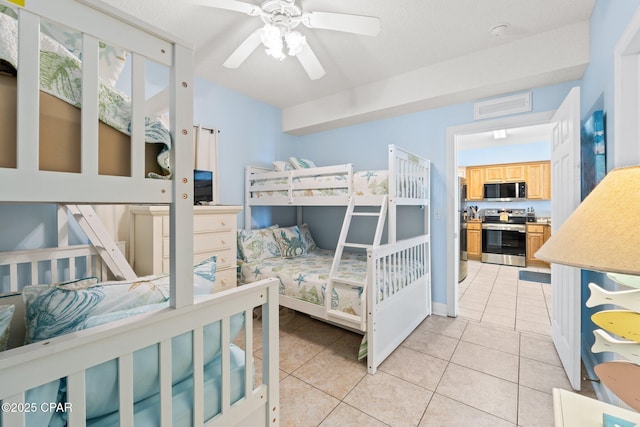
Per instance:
x=565, y=197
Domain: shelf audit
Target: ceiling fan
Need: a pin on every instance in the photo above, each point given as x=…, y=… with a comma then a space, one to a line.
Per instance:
x=280, y=18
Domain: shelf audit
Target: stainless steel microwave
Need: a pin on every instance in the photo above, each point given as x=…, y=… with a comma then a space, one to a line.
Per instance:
x=505, y=191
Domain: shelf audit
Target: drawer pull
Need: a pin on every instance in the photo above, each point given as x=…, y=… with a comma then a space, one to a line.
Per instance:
x=223, y=260
x=224, y=242
x=223, y=281
x=223, y=223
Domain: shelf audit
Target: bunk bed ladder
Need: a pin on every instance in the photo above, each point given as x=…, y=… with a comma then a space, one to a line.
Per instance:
x=102, y=241
x=334, y=278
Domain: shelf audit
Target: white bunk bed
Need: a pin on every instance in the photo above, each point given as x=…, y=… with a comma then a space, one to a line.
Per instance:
x=395, y=294
x=26, y=370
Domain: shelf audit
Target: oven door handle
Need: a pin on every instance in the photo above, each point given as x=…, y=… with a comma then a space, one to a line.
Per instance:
x=505, y=227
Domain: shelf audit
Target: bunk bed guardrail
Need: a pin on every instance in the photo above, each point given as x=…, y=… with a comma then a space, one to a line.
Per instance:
x=399, y=296
x=73, y=354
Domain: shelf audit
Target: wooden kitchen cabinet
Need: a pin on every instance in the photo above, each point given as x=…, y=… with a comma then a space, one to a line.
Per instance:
x=538, y=178
x=475, y=183
x=537, y=175
x=514, y=173
x=214, y=233
x=505, y=173
x=493, y=174
x=537, y=235
x=474, y=240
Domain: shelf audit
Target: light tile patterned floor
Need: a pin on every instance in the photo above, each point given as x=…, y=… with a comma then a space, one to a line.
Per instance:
x=495, y=365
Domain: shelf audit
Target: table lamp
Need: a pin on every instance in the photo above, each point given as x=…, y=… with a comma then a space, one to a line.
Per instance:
x=603, y=233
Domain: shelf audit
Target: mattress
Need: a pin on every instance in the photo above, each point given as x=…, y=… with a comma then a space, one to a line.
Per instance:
x=60, y=78
x=365, y=183
x=305, y=277
x=60, y=137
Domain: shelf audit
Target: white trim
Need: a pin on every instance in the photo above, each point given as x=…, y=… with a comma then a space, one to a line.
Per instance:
x=451, y=173
x=626, y=105
x=439, y=309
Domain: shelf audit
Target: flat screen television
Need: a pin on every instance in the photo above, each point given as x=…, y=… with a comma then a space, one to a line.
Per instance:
x=202, y=186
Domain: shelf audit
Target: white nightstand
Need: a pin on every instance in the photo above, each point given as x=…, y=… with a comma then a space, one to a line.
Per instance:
x=574, y=410
x=214, y=233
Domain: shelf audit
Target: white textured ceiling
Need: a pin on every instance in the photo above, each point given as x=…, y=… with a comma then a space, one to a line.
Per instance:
x=416, y=38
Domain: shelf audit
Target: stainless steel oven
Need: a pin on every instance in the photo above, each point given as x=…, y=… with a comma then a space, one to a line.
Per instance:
x=504, y=237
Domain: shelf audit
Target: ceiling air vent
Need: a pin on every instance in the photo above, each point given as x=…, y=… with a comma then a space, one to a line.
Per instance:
x=504, y=106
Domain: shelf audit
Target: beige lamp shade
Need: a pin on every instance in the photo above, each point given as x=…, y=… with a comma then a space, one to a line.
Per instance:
x=603, y=233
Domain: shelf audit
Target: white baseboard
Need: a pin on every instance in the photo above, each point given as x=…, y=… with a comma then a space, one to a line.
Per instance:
x=439, y=308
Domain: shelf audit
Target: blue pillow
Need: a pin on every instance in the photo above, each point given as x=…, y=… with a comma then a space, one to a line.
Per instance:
x=147, y=412
x=102, y=382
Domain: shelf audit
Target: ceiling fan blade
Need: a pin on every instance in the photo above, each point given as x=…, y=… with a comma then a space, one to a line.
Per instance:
x=234, y=5
x=357, y=24
x=243, y=51
x=310, y=63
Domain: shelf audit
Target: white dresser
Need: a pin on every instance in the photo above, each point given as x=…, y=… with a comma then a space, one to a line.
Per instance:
x=214, y=233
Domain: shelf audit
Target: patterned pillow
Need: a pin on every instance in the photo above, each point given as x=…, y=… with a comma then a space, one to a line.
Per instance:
x=291, y=242
x=282, y=165
x=300, y=163
x=55, y=310
x=112, y=59
x=206, y=269
x=308, y=239
x=257, y=244
x=6, y=314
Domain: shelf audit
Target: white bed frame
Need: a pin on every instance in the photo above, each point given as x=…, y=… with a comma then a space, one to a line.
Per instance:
x=403, y=166
x=389, y=320
x=71, y=355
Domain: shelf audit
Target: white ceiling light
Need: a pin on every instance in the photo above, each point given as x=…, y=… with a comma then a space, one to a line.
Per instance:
x=271, y=37
x=499, y=30
x=500, y=134
x=295, y=42
x=280, y=17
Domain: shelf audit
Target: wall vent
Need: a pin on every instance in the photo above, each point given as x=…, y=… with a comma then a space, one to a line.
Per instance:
x=504, y=106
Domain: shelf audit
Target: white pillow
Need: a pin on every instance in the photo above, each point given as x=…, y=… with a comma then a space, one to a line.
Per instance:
x=300, y=163
x=282, y=165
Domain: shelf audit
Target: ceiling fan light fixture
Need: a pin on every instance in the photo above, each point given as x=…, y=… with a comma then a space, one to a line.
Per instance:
x=295, y=42
x=271, y=37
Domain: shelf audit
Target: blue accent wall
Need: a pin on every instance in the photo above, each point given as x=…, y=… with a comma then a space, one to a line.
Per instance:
x=608, y=21
x=424, y=133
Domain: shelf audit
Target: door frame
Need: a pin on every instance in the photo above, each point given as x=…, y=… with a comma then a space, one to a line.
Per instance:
x=451, y=172
x=626, y=150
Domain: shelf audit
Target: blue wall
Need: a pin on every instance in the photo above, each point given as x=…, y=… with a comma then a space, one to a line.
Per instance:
x=424, y=133
x=608, y=22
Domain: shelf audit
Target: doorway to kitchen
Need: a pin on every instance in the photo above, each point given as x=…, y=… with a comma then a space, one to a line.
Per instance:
x=477, y=141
